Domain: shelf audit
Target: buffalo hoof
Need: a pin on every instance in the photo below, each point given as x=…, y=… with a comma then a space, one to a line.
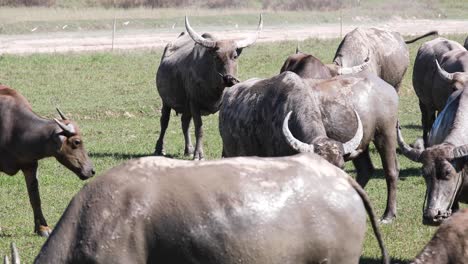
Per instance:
x=386, y=220
x=188, y=151
x=198, y=156
x=44, y=231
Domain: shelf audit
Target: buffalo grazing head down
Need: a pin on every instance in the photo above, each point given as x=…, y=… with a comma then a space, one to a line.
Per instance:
x=71, y=151
x=442, y=171
x=332, y=150
x=224, y=52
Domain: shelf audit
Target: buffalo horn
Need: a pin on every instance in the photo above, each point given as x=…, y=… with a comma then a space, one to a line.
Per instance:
x=297, y=48
x=411, y=153
x=198, y=38
x=61, y=114
x=357, y=68
x=354, y=143
x=448, y=77
x=67, y=131
x=250, y=40
x=460, y=151
x=292, y=141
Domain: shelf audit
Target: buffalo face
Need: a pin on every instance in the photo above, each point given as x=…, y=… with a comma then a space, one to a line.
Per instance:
x=443, y=177
x=71, y=151
x=443, y=172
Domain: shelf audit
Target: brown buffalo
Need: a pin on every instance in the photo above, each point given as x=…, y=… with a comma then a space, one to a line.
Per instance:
x=191, y=79
x=26, y=138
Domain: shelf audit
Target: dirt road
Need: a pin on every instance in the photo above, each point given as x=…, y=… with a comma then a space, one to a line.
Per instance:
x=149, y=39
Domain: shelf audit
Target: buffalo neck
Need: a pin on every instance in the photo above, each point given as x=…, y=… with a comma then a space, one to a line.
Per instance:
x=33, y=137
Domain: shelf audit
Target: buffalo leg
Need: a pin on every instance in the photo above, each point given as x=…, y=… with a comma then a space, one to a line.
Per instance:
x=427, y=119
x=164, y=122
x=386, y=146
x=32, y=184
x=197, y=121
x=185, y=120
x=364, y=168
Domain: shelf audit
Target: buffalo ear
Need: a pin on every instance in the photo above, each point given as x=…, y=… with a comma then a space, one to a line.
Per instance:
x=239, y=51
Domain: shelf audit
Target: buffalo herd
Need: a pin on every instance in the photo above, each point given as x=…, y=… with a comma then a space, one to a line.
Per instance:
x=279, y=195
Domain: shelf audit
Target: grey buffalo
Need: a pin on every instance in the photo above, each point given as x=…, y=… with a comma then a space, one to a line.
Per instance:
x=190, y=80
x=26, y=138
x=444, y=160
x=298, y=209
x=432, y=84
x=388, y=51
x=308, y=66
x=449, y=243
x=323, y=118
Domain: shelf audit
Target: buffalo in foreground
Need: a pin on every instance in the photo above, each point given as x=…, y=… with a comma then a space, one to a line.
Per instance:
x=449, y=243
x=323, y=119
x=388, y=51
x=434, y=83
x=444, y=160
x=26, y=138
x=190, y=80
x=298, y=209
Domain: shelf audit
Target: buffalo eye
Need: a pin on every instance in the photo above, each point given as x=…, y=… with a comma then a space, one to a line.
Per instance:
x=76, y=143
x=234, y=55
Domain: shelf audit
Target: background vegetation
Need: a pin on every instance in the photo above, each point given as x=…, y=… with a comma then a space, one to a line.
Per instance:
x=113, y=98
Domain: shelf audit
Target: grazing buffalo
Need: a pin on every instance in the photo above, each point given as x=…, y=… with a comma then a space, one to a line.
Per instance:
x=388, y=51
x=309, y=67
x=191, y=80
x=444, y=160
x=449, y=243
x=433, y=85
x=298, y=209
x=26, y=138
x=252, y=114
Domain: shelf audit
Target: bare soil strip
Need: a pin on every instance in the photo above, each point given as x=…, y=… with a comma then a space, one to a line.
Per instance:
x=151, y=39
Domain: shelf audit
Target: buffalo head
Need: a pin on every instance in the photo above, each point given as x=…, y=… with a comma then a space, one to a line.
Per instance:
x=457, y=80
x=224, y=52
x=330, y=149
x=70, y=151
x=442, y=171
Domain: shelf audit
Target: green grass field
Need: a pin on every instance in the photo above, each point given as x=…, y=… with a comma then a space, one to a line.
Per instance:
x=113, y=98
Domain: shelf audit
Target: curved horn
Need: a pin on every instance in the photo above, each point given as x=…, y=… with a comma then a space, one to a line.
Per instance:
x=357, y=68
x=460, y=151
x=251, y=40
x=14, y=254
x=297, y=48
x=198, y=38
x=293, y=142
x=354, y=143
x=61, y=114
x=411, y=153
x=68, y=132
x=448, y=77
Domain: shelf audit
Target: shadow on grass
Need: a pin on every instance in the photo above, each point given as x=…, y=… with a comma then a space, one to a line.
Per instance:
x=413, y=126
x=404, y=173
x=127, y=155
x=379, y=261
x=118, y=155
